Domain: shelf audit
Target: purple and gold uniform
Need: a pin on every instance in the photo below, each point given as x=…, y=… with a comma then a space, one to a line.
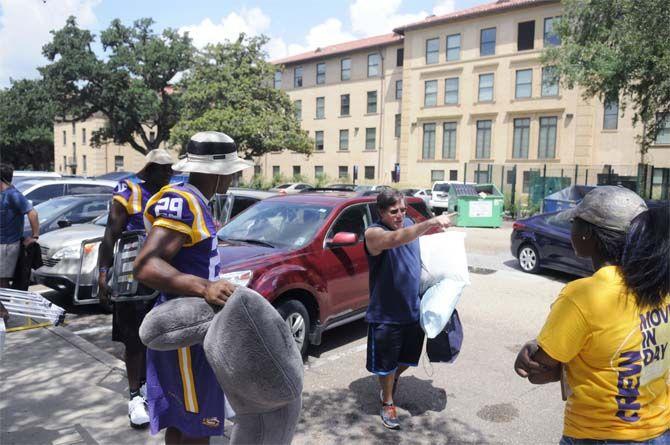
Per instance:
x=133, y=197
x=182, y=390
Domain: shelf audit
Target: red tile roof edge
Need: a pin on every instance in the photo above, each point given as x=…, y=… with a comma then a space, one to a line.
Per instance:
x=480, y=10
x=345, y=47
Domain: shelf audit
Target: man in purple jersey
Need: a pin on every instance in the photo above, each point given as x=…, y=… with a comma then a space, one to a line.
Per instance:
x=127, y=213
x=180, y=258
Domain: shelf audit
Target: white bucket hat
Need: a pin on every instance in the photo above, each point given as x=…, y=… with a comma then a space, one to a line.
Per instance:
x=156, y=156
x=212, y=153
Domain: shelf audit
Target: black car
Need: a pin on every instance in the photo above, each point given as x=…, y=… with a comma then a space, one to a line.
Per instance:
x=543, y=241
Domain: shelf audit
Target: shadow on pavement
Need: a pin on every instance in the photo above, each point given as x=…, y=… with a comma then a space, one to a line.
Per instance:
x=340, y=336
x=353, y=415
x=550, y=274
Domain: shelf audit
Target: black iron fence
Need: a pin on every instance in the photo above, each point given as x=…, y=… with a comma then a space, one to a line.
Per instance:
x=525, y=187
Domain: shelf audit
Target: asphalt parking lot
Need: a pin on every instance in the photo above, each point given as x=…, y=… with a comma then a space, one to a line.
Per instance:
x=478, y=399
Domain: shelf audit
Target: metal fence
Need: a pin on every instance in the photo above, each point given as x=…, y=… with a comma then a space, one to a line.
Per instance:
x=525, y=187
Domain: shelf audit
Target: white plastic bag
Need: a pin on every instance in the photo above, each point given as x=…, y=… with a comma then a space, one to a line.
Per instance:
x=444, y=274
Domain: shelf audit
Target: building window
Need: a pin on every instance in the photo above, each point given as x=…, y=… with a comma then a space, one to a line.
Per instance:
x=372, y=102
x=449, y=140
x=296, y=171
x=432, y=50
x=320, y=107
x=399, y=56
x=318, y=171
x=428, y=141
x=344, y=105
x=370, y=138
x=550, y=36
x=344, y=140
x=524, y=84
x=485, y=87
x=547, y=143
x=436, y=175
x=451, y=91
x=83, y=136
x=345, y=69
x=521, y=138
x=84, y=164
x=343, y=172
x=487, y=42
x=663, y=123
x=64, y=138
x=549, y=81
x=318, y=140
x=483, y=149
x=297, y=77
x=373, y=65
x=257, y=170
x=277, y=79
x=118, y=163
x=397, y=126
x=398, y=89
x=369, y=172
x=275, y=171
x=453, y=47
x=430, y=93
x=525, y=183
x=453, y=175
x=611, y=118
x=298, y=109
x=525, y=38
x=320, y=73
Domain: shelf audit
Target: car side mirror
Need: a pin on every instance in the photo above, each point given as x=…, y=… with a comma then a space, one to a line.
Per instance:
x=343, y=239
x=64, y=223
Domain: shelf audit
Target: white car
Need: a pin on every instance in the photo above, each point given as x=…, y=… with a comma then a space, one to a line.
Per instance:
x=291, y=188
x=439, y=201
x=40, y=190
x=424, y=194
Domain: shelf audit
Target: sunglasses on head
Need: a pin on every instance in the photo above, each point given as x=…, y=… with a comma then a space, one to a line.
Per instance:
x=395, y=211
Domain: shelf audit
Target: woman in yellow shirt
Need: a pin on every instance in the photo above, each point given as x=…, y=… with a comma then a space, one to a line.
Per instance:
x=609, y=334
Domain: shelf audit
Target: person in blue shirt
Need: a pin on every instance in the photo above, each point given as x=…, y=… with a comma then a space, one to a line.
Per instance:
x=13, y=207
x=395, y=337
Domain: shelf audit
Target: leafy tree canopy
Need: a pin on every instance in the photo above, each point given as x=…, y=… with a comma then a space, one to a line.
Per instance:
x=618, y=48
x=26, y=125
x=229, y=89
x=130, y=87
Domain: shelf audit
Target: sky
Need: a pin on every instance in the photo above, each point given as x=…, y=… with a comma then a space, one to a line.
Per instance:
x=293, y=26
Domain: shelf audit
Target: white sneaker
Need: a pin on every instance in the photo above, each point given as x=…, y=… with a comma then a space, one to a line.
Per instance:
x=137, y=412
x=143, y=391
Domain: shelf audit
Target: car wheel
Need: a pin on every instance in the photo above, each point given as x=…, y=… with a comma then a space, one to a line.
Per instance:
x=297, y=319
x=529, y=259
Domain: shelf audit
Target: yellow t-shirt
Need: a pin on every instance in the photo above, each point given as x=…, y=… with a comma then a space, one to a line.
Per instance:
x=616, y=358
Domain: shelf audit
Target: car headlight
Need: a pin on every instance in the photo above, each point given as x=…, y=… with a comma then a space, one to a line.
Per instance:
x=239, y=277
x=67, y=252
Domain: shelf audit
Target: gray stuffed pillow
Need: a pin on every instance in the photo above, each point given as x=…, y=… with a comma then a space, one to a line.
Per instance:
x=177, y=323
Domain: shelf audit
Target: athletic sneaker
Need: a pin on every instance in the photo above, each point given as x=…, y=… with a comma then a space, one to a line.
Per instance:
x=390, y=417
x=137, y=412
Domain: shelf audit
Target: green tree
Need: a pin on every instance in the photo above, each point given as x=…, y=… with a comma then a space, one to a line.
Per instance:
x=130, y=87
x=618, y=48
x=230, y=90
x=26, y=125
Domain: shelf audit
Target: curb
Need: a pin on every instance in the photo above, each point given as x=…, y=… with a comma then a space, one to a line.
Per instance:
x=89, y=348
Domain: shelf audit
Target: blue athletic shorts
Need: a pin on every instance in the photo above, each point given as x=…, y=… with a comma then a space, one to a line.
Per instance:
x=390, y=345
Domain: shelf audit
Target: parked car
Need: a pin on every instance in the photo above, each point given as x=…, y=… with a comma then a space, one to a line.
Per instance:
x=40, y=190
x=25, y=175
x=305, y=254
x=543, y=241
x=116, y=176
x=65, y=211
x=291, y=188
x=61, y=248
x=346, y=187
x=439, y=200
x=424, y=194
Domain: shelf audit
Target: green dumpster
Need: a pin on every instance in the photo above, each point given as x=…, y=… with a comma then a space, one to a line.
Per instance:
x=478, y=205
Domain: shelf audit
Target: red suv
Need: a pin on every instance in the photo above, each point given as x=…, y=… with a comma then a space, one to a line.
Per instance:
x=305, y=254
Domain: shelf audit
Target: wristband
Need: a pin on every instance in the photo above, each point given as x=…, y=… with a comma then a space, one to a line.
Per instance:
x=103, y=269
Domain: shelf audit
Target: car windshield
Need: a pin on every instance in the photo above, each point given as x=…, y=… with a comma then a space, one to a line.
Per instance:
x=284, y=186
x=25, y=184
x=101, y=220
x=48, y=209
x=276, y=224
x=363, y=188
x=441, y=187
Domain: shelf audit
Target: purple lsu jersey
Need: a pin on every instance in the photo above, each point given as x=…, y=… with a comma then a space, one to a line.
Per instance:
x=182, y=390
x=133, y=197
